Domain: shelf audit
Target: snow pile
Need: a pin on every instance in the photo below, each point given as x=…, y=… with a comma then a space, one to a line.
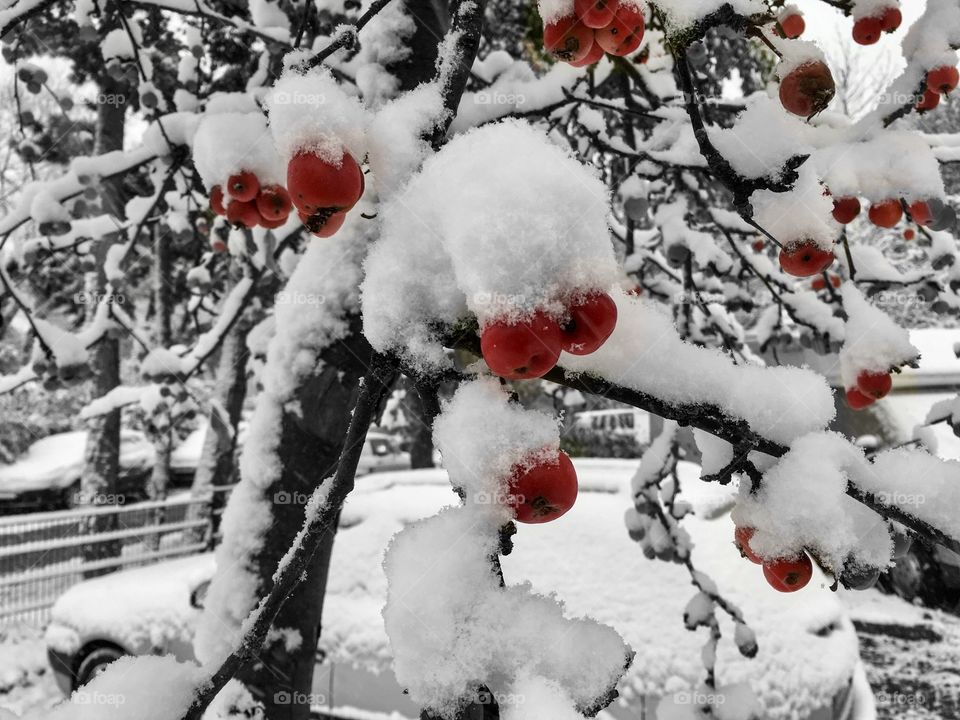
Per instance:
x=399, y=136
x=802, y=503
x=482, y=437
x=803, y=213
x=453, y=627
x=313, y=113
x=646, y=353
x=499, y=223
x=670, y=218
x=229, y=143
x=872, y=340
x=685, y=12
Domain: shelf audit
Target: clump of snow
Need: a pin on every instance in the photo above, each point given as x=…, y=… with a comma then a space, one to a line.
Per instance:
x=802, y=503
x=399, y=136
x=227, y=143
x=482, y=437
x=501, y=222
x=313, y=113
x=872, y=340
x=802, y=213
x=646, y=353
x=794, y=54
x=453, y=627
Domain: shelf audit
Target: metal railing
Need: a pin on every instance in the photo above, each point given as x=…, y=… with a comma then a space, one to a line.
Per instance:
x=43, y=554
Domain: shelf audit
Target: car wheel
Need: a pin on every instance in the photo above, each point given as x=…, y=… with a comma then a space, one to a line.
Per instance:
x=94, y=662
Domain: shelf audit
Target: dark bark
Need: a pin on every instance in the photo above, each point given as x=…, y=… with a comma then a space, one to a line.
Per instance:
x=422, y=407
x=98, y=482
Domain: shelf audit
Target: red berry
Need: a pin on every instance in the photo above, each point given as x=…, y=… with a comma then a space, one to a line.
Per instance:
x=867, y=30
x=635, y=291
x=807, y=89
x=244, y=213
x=315, y=185
x=272, y=224
x=943, y=79
x=218, y=245
x=522, y=350
x=788, y=575
x=804, y=259
x=625, y=33
x=596, y=52
x=835, y=280
x=742, y=537
x=757, y=245
x=920, y=212
x=929, y=101
x=323, y=224
x=874, y=385
x=857, y=400
x=543, y=492
x=243, y=186
x=216, y=200
x=568, y=38
x=595, y=14
x=818, y=283
x=273, y=202
x=592, y=320
x=891, y=19
x=909, y=234
x=792, y=26
x=845, y=209
x=886, y=213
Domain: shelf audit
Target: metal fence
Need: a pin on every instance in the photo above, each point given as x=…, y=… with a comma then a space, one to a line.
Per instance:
x=43, y=554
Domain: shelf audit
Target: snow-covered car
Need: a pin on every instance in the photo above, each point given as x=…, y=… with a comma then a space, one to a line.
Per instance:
x=47, y=476
x=807, y=667
x=381, y=453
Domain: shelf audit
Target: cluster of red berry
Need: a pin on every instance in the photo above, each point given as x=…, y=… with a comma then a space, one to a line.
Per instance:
x=871, y=386
x=885, y=213
x=324, y=192
x=543, y=491
x=867, y=30
x=940, y=81
x=251, y=204
x=804, y=258
x=531, y=347
x=595, y=27
x=783, y=574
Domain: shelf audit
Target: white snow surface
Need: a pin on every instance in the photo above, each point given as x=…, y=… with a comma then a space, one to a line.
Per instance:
x=872, y=340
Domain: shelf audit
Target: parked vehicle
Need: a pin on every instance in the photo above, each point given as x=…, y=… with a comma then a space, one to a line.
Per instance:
x=381, y=452
x=47, y=476
x=807, y=668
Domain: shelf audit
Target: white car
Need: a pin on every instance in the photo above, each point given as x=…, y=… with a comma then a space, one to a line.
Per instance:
x=48, y=474
x=381, y=453
x=807, y=668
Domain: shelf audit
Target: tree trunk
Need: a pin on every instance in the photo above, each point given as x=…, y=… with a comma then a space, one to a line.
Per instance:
x=421, y=426
x=216, y=467
x=98, y=482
